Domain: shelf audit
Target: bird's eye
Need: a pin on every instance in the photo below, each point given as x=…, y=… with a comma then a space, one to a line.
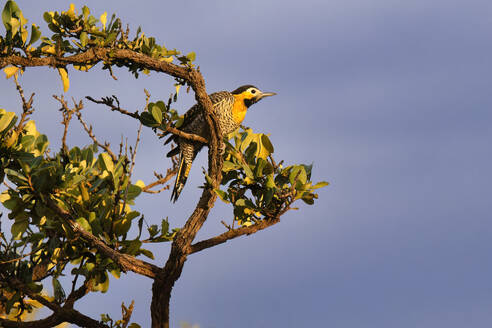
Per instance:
x=253, y=91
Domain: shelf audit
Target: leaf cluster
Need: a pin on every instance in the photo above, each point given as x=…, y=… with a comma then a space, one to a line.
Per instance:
x=94, y=189
x=255, y=185
x=75, y=32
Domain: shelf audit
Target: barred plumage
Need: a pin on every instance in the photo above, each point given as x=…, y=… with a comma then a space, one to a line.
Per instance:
x=229, y=108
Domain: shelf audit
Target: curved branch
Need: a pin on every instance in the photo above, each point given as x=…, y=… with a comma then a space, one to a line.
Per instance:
x=96, y=55
x=163, y=284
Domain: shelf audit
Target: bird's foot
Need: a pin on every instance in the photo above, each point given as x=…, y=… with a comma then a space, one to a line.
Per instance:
x=222, y=148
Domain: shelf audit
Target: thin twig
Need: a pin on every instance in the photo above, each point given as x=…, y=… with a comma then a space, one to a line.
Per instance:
x=111, y=73
x=18, y=258
x=26, y=105
x=134, y=153
x=226, y=225
x=67, y=117
x=169, y=174
x=88, y=129
x=132, y=165
x=110, y=102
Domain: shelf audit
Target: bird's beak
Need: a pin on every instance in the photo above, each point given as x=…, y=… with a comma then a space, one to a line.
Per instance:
x=264, y=95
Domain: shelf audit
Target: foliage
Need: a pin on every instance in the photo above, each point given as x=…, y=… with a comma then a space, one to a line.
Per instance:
x=73, y=211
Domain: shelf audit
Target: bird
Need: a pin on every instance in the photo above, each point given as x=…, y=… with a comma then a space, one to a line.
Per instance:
x=230, y=109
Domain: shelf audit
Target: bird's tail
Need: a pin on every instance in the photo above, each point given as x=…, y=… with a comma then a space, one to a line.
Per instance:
x=181, y=177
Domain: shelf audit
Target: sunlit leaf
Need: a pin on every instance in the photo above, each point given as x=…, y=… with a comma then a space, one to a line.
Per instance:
x=7, y=120
x=58, y=291
x=84, y=224
x=35, y=34
x=103, y=19
x=64, y=76
x=10, y=71
x=107, y=161
x=320, y=185
x=191, y=56
x=156, y=114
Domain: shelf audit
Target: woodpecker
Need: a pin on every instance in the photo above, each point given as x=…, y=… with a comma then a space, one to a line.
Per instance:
x=230, y=109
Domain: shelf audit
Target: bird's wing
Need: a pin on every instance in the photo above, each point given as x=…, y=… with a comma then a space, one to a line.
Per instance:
x=194, y=117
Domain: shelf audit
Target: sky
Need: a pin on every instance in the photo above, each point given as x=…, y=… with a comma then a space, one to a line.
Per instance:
x=391, y=102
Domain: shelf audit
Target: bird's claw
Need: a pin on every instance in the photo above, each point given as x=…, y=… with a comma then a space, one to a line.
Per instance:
x=222, y=148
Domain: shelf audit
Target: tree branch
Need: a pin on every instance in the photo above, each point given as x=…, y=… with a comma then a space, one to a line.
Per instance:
x=60, y=314
x=108, y=101
x=125, y=262
x=47, y=322
x=97, y=54
x=231, y=234
x=163, y=284
x=162, y=180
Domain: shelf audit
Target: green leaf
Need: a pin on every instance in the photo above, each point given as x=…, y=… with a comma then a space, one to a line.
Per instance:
x=19, y=227
x=7, y=120
x=27, y=142
x=268, y=195
x=47, y=17
x=320, y=185
x=267, y=147
x=9, y=10
x=222, y=195
x=148, y=120
x=14, y=25
x=35, y=287
x=247, y=170
x=58, y=291
x=85, y=12
x=83, y=39
x=270, y=182
x=260, y=164
x=35, y=34
x=299, y=172
x=12, y=173
x=134, y=247
x=130, y=216
x=308, y=169
x=156, y=114
x=107, y=162
x=115, y=273
x=133, y=192
x=309, y=198
x=103, y=285
x=153, y=230
x=84, y=224
x=164, y=226
x=229, y=166
x=191, y=56
x=111, y=37
x=147, y=253
x=161, y=105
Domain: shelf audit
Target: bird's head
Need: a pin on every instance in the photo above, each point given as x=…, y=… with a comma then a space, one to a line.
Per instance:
x=251, y=94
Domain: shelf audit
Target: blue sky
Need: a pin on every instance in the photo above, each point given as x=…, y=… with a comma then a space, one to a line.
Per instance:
x=390, y=100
